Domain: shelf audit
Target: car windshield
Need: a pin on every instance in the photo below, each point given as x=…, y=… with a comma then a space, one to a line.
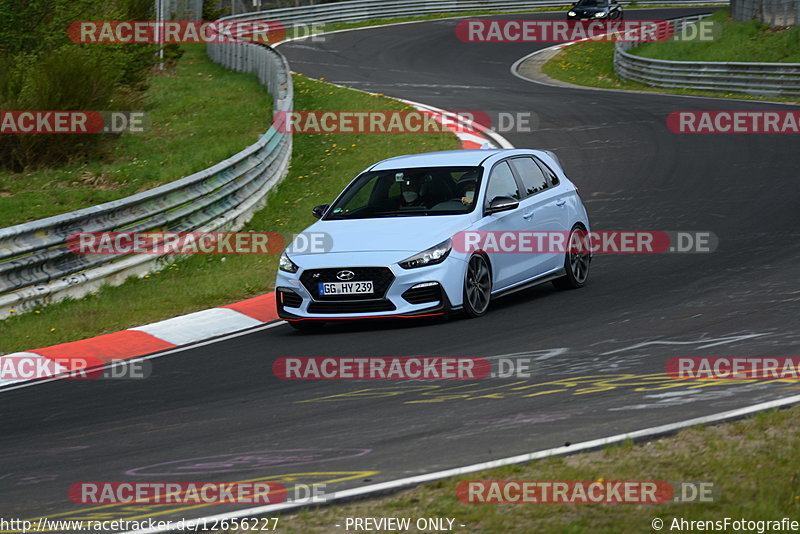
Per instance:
x=409, y=192
x=592, y=3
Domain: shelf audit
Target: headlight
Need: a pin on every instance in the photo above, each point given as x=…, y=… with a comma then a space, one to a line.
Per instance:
x=432, y=256
x=571, y=13
x=601, y=14
x=285, y=264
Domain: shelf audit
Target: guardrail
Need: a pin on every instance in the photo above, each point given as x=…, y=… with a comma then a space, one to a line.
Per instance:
x=36, y=267
x=740, y=76
x=359, y=10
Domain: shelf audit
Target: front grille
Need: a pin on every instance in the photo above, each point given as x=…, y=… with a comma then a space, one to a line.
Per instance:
x=381, y=278
x=289, y=298
x=423, y=294
x=351, y=307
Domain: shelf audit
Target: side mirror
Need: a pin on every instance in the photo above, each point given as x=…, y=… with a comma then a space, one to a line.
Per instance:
x=320, y=210
x=499, y=204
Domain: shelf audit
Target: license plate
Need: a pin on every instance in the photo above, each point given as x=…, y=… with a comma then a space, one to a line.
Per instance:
x=345, y=288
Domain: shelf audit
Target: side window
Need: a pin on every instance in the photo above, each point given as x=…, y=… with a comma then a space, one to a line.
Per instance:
x=532, y=176
x=502, y=183
x=552, y=179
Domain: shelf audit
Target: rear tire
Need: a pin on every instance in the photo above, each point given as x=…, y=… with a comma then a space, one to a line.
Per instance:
x=477, y=287
x=576, y=264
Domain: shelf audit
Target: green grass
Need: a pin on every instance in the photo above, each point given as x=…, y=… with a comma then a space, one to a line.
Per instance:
x=753, y=464
x=200, y=115
x=737, y=41
x=321, y=166
x=588, y=63
x=592, y=64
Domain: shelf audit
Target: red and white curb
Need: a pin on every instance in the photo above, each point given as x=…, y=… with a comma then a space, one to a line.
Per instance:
x=471, y=134
x=138, y=341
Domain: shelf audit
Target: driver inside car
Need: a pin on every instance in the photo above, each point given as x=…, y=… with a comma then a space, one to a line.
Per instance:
x=410, y=194
x=468, y=195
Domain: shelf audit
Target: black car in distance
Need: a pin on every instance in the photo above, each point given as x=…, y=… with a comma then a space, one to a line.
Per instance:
x=595, y=10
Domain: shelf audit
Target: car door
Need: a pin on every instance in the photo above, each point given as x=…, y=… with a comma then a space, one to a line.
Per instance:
x=543, y=210
x=506, y=268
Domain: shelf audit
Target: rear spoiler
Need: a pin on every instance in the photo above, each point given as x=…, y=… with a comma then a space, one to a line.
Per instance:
x=553, y=155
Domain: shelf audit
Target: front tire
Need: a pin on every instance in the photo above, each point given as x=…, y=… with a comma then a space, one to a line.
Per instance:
x=576, y=263
x=477, y=287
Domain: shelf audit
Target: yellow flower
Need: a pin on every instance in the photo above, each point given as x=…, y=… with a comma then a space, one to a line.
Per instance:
x=52, y=329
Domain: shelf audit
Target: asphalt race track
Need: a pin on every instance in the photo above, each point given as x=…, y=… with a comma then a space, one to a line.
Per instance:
x=215, y=412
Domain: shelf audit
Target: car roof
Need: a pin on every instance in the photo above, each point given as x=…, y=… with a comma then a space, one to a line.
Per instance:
x=447, y=158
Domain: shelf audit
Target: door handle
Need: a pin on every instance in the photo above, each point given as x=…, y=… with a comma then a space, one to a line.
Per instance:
x=527, y=215
x=561, y=202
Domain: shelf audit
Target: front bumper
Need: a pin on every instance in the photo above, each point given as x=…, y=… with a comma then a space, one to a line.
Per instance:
x=590, y=16
x=296, y=302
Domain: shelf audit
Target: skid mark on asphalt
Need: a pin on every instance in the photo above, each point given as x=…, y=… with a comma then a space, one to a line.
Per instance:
x=565, y=361
x=575, y=386
x=245, y=461
x=702, y=342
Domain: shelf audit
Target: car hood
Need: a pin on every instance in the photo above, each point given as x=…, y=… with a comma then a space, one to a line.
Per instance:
x=588, y=9
x=405, y=234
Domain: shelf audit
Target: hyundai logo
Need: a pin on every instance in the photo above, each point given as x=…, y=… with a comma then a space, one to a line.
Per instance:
x=345, y=275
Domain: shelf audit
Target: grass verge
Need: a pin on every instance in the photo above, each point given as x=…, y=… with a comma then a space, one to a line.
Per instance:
x=200, y=114
x=736, y=41
x=752, y=463
x=321, y=166
x=592, y=64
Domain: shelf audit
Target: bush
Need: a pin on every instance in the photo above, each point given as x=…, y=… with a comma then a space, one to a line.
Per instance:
x=42, y=70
